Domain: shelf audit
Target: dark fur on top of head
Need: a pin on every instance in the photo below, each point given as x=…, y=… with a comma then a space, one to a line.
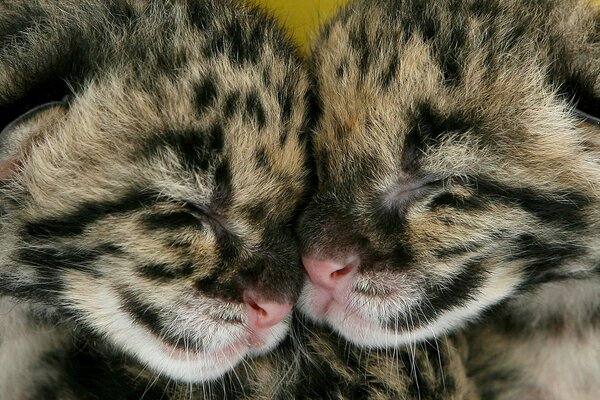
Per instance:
x=166, y=183
x=450, y=163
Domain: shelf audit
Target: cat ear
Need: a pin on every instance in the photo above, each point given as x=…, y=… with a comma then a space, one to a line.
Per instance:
x=18, y=136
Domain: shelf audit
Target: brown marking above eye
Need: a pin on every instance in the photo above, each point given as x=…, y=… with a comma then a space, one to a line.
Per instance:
x=428, y=128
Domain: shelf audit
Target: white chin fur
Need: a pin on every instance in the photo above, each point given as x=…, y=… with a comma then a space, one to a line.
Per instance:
x=227, y=348
x=194, y=367
x=365, y=331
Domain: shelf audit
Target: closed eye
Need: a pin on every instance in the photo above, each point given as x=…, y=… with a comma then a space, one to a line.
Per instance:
x=205, y=215
x=402, y=194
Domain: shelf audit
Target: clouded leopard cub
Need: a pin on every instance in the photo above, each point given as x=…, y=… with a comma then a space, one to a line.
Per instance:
x=459, y=180
x=151, y=164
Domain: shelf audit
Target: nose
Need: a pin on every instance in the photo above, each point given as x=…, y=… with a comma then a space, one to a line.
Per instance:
x=263, y=314
x=330, y=274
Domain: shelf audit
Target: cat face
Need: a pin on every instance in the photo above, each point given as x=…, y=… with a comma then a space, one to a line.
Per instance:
x=451, y=175
x=154, y=206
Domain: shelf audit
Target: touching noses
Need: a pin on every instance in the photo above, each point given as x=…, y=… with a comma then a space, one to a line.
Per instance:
x=331, y=275
x=264, y=314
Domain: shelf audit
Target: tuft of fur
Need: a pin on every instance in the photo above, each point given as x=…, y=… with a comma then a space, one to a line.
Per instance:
x=458, y=173
x=160, y=184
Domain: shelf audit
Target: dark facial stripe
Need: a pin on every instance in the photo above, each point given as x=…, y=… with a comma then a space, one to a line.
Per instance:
x=150, y=317
x=460, y=289
x=166, y=272
x=542, y=259
x=50, y=258
x=75, y=223
x=564, y=209
x=45, y=289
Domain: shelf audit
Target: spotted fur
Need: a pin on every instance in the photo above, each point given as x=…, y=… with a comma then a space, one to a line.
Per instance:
x=459, y=178
x=159, y=185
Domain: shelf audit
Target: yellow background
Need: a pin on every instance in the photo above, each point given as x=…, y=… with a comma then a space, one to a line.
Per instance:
x=303, y=17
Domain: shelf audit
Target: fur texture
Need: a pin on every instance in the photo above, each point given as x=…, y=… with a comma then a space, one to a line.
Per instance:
x=312, y=363
x=458, y=183
x=158, y=192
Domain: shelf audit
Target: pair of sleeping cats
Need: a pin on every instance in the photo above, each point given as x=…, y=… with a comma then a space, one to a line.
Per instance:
x=163, y=165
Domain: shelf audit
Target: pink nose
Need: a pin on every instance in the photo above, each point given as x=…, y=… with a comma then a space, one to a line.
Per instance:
x=264, y=314
x=330, y=274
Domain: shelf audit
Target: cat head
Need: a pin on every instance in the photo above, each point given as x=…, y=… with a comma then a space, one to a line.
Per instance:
x=452, y=175
x=153, y=205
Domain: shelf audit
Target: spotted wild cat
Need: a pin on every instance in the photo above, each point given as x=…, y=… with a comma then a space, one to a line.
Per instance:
x=459, y=180
x=152, y=160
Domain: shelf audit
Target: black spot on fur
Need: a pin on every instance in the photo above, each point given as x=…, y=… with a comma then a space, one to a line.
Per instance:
x=223, y=192
x=232, y=102
x=255, y=109
x=206, y=93
x=262, y=159
x=359, y=39
x=388, y=75
x=340, y=71
x=242, y=43
x=217, y=138
x=200, y=14
x=258, y=212
x=285, y=97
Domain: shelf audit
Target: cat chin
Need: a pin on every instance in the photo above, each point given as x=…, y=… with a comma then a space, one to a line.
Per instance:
x=197, y=367
x=225, y=348
x=363, y=329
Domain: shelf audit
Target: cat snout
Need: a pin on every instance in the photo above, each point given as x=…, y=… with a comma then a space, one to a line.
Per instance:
x=330, y=274
x=264, y=314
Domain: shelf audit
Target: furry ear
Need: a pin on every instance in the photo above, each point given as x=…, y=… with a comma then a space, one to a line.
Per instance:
x=18, y=136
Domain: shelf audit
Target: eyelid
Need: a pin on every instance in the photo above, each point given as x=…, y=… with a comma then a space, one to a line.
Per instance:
x=196, y=207
x=403, y=193
x=205, y=214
